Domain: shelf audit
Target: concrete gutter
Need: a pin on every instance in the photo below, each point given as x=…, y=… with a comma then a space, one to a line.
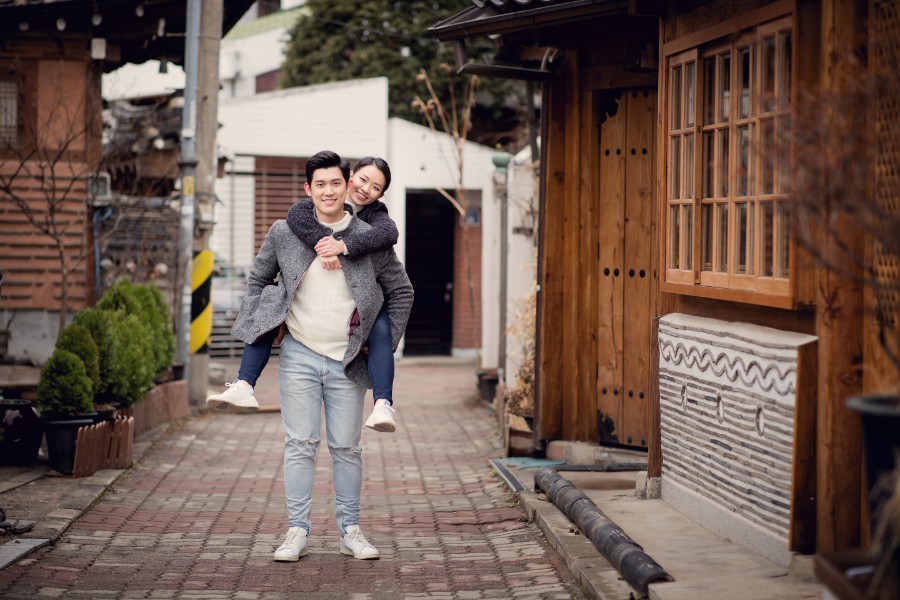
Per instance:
x=628, y=557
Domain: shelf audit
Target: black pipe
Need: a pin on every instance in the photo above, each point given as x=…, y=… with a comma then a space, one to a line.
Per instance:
x=626, y=555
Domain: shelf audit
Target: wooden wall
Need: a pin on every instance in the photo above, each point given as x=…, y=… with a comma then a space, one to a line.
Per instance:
x=582, y=310
x=62, y=112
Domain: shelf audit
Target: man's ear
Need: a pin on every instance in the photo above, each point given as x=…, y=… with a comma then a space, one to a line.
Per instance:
x=306, y=189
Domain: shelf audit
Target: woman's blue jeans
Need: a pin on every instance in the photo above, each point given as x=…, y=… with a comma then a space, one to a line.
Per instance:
x=255, y=357
x=381, y=358
x=307, y=381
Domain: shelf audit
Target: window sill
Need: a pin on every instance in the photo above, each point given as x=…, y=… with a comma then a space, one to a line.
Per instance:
x=731, y=295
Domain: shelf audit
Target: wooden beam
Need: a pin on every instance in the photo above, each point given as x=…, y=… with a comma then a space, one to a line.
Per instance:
x=572, y=279
x=548, y=421
x=802, y=532
x=839, y=306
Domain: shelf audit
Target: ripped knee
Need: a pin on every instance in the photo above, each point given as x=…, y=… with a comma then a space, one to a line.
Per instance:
x=354, y=450
x=310, y=443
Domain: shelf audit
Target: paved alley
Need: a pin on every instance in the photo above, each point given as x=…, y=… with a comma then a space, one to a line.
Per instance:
x=201, y=514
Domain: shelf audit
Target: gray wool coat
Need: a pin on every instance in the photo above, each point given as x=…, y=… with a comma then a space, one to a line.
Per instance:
x=373, y=278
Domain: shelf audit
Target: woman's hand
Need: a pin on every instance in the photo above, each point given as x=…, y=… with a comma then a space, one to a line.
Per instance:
x=328, y=246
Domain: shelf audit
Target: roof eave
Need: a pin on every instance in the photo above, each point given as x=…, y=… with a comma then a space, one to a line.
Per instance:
x=477, y=22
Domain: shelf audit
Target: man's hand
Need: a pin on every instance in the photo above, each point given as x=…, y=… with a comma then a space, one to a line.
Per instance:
x=331, y=263
x=328, y=246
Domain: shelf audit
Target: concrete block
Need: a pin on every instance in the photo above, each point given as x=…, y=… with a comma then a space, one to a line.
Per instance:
x=640, y=485
x=556, y=450
x=654, y=488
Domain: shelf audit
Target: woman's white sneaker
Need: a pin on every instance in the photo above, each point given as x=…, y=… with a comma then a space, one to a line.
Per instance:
x=382, y=417
x=238, y=398
x=295, y=545
x=355, y=544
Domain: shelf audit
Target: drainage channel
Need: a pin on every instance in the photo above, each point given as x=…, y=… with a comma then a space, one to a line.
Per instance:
x=626, y=555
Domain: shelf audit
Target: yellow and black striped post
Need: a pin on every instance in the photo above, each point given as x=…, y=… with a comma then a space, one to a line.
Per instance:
x=201, y=306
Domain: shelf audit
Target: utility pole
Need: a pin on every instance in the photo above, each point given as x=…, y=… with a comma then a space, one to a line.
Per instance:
x=198, y=172
x=207, y=170
x=188, y=164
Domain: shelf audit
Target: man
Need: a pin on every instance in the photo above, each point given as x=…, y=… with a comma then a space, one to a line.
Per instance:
x=328, y=316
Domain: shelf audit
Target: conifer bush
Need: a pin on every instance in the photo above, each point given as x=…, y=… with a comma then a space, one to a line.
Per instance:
x=100, y=325
x=77, y=339
x=156, y=315
x=64, y=387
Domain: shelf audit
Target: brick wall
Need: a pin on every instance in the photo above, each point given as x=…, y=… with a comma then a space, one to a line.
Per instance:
x=466, y=321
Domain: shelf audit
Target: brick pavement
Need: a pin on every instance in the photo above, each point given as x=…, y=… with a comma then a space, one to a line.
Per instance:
x=201, y=514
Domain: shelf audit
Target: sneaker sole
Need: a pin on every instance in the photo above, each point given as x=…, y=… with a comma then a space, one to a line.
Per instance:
x=383, y=427
x=351, y=553
x=292, y=559
x=229, y=408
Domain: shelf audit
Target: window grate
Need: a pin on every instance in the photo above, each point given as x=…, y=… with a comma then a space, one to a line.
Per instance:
x=9, y=111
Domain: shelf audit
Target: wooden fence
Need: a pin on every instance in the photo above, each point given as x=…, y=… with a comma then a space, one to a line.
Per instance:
x=104, y=445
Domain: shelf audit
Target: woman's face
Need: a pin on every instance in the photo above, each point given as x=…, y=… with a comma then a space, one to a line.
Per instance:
x=368, y=185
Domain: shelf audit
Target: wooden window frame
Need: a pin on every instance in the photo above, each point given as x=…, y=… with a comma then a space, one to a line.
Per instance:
x=24, y=72
x=705, y=276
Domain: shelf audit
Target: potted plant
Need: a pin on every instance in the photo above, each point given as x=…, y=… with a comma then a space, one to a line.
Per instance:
x=77, y=339
x=21, y=432
x=65, y=397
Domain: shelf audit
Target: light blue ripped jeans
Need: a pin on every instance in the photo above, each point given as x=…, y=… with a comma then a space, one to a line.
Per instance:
x=307, y=380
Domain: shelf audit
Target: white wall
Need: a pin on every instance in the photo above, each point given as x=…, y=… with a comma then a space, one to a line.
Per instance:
x=232, y=238
x=349, y=117
x=520, y=248
x=423, y=159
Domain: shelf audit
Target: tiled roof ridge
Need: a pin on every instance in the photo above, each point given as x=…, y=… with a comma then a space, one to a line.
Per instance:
x=511, y=5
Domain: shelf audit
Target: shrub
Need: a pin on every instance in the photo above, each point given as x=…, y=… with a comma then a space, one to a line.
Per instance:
x=64, y=387
x=99, y=324
x=156, y=314
x=133, y=371
x=121, y=296
x=77, y=340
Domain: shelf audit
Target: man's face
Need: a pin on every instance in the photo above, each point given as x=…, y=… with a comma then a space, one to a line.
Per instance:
x=327, y=190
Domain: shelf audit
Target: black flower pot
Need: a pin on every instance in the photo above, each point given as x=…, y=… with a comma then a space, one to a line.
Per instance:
x=61, y=435
x=880, y=417
x=20, y=432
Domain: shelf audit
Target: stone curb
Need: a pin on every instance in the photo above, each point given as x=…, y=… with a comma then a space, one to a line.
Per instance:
x=83, y=493
x=597, y=576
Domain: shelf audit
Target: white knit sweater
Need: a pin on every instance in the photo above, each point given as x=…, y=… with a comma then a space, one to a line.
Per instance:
x=320, y=314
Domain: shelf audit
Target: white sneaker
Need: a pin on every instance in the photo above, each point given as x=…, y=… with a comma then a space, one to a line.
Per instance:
x=295, y=545
x=382, y=417
x=355, y=544
x=237, y=398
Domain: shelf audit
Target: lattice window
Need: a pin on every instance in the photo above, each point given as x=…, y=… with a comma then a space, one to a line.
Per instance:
x=9, y=111
x=728, y=110
x=886, y=34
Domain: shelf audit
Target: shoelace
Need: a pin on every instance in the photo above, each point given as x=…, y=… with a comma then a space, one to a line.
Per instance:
x=292, y=537
x=358, y=536
x=229, y=384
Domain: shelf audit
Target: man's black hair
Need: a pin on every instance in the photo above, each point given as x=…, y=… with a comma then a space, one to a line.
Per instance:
x=325, y=160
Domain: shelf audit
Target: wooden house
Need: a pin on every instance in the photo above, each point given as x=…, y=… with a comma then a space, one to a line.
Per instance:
x=701, y=295
x=52, y=55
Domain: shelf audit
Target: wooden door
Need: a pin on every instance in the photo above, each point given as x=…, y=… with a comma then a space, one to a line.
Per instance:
x=626, y=294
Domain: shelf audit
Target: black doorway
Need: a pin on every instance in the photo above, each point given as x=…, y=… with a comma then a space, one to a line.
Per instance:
x=430, y=224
